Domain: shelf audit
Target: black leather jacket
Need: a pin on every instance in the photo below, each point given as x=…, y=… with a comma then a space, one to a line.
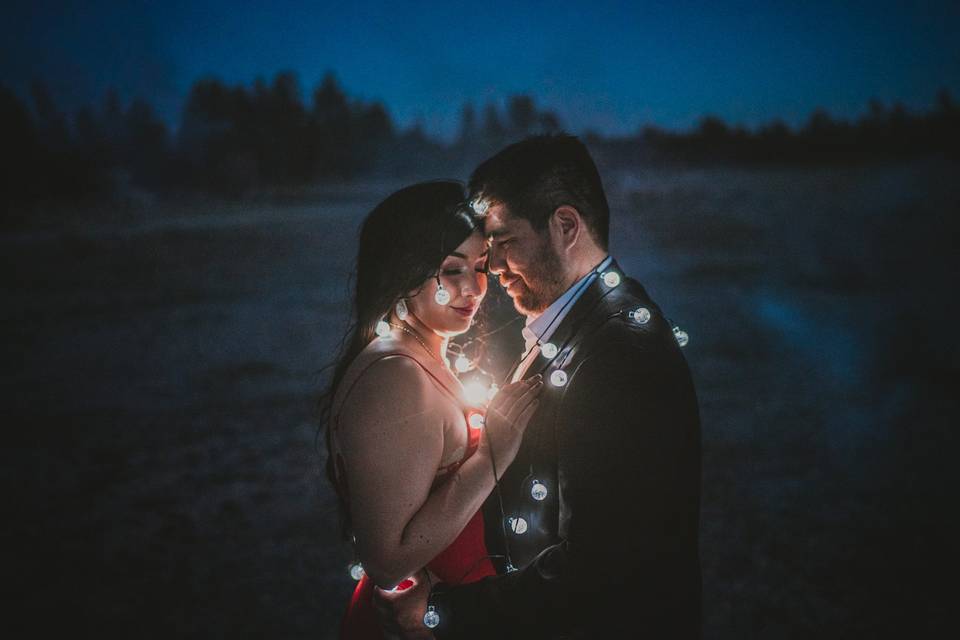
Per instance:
x=613, y=545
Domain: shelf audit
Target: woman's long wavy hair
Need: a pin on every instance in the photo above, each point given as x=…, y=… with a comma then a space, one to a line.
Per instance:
x=403, y=241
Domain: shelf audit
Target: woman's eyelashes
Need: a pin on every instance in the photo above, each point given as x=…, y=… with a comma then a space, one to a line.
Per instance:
x=482, y=267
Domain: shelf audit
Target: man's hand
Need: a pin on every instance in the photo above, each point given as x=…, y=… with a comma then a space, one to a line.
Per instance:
x=401, y=612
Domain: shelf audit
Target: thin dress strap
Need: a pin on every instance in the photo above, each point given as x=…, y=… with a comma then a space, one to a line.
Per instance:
x=473, y=434
x=356, y=379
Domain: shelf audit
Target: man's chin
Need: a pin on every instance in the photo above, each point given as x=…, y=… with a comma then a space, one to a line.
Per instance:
x=527, y=306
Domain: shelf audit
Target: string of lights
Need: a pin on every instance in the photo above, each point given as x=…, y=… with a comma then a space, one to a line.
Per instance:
x=480, y=396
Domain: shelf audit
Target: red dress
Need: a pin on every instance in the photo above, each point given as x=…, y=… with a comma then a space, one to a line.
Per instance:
x=465, y=560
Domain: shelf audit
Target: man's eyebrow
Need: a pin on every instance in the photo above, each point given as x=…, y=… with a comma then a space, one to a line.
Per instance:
x=497, y=233
x=457, y=254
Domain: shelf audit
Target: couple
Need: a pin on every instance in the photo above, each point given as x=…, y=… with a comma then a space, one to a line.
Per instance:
x=570, y=506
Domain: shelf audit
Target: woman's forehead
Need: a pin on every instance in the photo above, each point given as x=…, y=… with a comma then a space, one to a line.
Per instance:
x=474, y=246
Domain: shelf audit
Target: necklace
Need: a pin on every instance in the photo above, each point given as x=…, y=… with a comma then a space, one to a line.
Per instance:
x=420, y=340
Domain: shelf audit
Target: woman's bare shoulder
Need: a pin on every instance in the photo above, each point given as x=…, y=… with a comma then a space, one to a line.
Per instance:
x=386, y=385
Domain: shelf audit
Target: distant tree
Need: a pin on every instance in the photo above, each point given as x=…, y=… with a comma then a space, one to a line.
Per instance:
x=112, y=123
x=713, y=130
x=21, y=153
x=51, y=123
x=493, y=129
x=373, y=136
x=468, y=124
x=330, y=129
x=217, y=139
x=330, y=105
x=375, y=122
x=283, y=118
x=91, y=138
x=146, y=150
x=548, y=122
x=521, y=115
x=945, y=103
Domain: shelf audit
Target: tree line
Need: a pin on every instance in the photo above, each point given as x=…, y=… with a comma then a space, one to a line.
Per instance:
x=231, y=139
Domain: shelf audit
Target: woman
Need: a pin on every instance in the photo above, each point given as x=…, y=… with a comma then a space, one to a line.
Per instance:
x=411, y=463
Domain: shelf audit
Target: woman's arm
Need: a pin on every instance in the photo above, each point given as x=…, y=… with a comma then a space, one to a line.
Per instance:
x=391, y=435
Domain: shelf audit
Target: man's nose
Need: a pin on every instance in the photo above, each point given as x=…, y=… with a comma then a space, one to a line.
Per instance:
x=496, y=264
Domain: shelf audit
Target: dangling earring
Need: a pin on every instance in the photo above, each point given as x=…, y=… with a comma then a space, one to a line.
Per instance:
x=401, y=309
x=442, y=296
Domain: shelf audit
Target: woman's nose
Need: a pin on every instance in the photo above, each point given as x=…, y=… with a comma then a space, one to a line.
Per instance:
x=472, y=287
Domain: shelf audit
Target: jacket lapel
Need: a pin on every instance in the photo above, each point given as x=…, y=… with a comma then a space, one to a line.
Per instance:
x=573, y=323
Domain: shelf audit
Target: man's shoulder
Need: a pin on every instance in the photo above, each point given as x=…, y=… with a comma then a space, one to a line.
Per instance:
x=628, y=318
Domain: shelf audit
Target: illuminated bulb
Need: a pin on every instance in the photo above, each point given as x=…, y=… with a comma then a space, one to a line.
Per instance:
x=518, y=525
x=442, y=296
x=681, y=336
x=356, y=571
x=611, y=278
x=383, y=329
x=431, y=618
x=476, y=420
x=480, y=206
x=475, y=392
x=558, y=378
x=548, y=349
x=641, y=315
x=462, y=363
x=539, y=490
x=492, y=392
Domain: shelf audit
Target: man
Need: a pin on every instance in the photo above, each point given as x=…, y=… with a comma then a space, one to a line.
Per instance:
x=595, y=524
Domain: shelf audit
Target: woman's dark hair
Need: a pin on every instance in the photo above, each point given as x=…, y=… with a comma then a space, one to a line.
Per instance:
x=403, y=241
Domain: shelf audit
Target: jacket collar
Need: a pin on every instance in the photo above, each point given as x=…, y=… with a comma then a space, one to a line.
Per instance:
x=609, y=281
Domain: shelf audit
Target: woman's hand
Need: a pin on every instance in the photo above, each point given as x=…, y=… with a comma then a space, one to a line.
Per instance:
x=506, y=420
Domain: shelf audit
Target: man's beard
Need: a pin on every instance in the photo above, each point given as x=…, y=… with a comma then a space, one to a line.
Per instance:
x=543, y=281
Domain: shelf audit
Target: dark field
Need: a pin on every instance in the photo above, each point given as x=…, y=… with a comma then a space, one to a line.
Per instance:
x=162, y=363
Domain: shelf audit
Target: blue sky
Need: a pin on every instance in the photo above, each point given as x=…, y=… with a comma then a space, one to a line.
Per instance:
x=609, y=66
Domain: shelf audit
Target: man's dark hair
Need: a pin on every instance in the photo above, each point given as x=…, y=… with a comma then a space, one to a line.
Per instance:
x=538, y=174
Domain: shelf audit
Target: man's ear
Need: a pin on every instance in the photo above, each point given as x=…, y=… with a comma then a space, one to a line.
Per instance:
x=566, y=225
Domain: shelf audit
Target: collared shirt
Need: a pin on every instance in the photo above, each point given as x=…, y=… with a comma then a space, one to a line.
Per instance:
x=538, y=330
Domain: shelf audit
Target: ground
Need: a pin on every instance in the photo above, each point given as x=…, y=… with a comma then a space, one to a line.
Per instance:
x=163, y=359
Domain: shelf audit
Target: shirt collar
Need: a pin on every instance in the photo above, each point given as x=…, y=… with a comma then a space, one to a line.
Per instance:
x=540, y=329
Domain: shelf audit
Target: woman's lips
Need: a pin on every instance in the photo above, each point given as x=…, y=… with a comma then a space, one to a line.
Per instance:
x=466, y=312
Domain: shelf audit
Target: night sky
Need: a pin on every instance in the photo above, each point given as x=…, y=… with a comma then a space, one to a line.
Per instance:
x=603, y=65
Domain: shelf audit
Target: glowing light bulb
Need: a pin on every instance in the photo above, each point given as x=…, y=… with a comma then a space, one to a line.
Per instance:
x=431, y=618
x=475, y=392
x=442, y=296
x=480, y=206
x=611, y=278
x=462, y=363
x=383, y=329
x=356, y=571
x=558, y=378
x=681, y=336
x=641, y=315
x=538, y=491
x=476, y=420
x=548, y=349
x=518, y=525
x=492, y=392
